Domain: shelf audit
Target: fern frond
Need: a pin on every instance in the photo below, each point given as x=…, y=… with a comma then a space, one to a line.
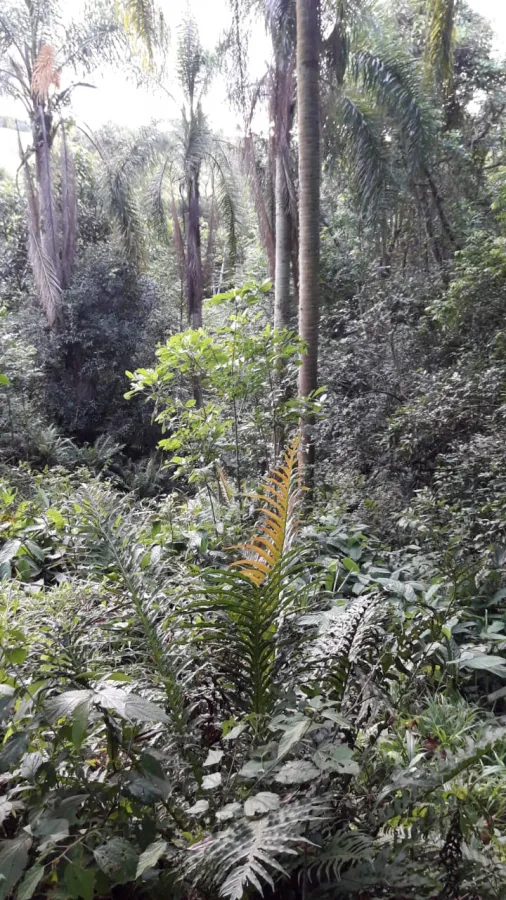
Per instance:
x=110, y=532
x=277, y=527
x=343, y=849
x=348, y=636
x=247, y=853
x=246, y=612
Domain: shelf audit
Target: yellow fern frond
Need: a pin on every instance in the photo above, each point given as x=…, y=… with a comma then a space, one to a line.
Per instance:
x=278, y=523
x=45, y=73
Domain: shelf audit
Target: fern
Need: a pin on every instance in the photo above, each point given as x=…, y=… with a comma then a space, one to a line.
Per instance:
x=245, y=612
x=111, y=532
x=247, y=853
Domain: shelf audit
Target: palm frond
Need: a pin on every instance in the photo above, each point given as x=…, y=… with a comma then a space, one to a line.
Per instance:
x=277, y=527
x=441, y=38
x=261, y=189
x=125, y=212
x=227, y=201
x=392, y=77
x=192, y=63
x=145, y=21
x=178, y=237
x=246, y=855
x=360, y=131
x=45, y=276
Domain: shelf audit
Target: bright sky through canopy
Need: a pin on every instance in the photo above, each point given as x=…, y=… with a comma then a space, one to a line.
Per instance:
x=125, y=104
x=122, y=102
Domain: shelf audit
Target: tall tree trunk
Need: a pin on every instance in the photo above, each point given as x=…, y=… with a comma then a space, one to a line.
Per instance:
x=194, y=275
x=308, y=39
x=283, y=250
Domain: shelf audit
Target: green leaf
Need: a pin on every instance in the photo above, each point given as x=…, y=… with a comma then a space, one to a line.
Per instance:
x=79, y=882
x=13, y=862
x=149, y=858
x=209, y=782
x=330, y=757
x=80, y=723
x=199, y=808
x=118, y=859
x=350, y=564
x=12, y=751
x=29, y=884
x=51, y=830
x=228, y=812
x=9, y=550
x=64, y=704
x=252, y=768
x=213, y=757
x=261, y=803
x=296, y=772
x=4, y=380
x=292, y=736
x=494, y=664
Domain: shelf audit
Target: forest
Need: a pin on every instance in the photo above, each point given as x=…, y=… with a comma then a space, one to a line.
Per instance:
x=252, y=470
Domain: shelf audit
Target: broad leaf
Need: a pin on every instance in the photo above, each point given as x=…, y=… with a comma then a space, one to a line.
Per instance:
x=292, y=736
x=30, y=882
x=118, y=859
x=213, y=757
x=149, y=858
x=13, y=862
x=64, y=705
x=261, y=803
x=12, y=751
x=79, y=882
x=211, y=781
x=296, y=772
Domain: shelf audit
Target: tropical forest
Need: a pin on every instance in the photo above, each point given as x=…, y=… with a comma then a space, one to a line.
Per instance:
x=252, y=449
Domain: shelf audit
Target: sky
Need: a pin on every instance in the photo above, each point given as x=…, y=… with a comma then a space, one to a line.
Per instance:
x=118, y=100
x=127, y=105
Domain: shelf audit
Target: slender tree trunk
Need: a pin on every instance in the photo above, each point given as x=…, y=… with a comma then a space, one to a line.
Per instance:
x=283, y=250
x=308, y=33
x=194, y=275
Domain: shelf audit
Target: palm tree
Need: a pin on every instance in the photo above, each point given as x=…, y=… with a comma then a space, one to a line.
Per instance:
x=308, y=109
x=35, y=48
x=281, y=20
x=190, y=151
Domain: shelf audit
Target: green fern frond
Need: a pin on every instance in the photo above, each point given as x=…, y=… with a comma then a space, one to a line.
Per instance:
x=245, y=612
x=343, y=849
x=110, y=540
x=246, y=855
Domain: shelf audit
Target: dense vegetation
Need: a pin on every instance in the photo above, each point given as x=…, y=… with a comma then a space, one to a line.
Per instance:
x=226, y=669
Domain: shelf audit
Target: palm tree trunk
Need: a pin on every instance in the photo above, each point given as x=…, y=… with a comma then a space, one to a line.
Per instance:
x=194, y=274
x=283, y=250
x=308, y=35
